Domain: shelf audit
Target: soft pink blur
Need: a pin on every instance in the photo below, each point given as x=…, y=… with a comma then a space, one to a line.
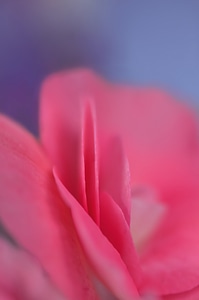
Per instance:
x=108, y=204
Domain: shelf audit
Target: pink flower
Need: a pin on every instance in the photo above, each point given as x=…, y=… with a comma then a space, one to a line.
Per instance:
x=107, y=207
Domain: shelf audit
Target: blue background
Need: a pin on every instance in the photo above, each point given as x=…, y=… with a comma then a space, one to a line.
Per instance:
x=147, y=43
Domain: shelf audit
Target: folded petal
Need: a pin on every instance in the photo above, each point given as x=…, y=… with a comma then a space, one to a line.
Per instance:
x=160, y=137
x=158, y=132
x=115, y=175
x=62, y=120
x=33, y=213
x=91, y=163
x=64, y=111
x=104, y=259
x=116, y=229
x=21, y=276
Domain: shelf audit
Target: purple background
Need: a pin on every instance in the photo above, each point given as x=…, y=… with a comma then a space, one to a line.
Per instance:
x=139, y=42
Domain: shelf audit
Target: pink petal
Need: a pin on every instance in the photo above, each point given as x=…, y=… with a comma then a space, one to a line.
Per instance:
x=63, y=128
x=147, y=214
x=115, y=228
x=32, y=211
x=68, y=132
x=171, y=263
x=115, y=175
x=22, y=277
x=4, y=296
x=158, y=132
x=62, y=107
x=104, y=259
x=91, y=162
x=160, y=137
x=189, y=295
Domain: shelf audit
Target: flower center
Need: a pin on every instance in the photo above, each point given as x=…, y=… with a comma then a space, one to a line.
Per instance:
x=146, y=215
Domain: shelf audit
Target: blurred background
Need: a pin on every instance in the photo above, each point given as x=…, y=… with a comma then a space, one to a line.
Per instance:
x=143, y=43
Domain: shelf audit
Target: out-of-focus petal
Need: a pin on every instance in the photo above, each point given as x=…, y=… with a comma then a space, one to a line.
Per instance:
x=158, y=132
x=21, y=277
x=32, y=211
x=104, y=259
x=5, y=296
x=170, y=263
x=147, y=214
x=189, y=295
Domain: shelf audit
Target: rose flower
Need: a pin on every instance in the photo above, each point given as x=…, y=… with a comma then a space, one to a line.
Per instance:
x=106, y=204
